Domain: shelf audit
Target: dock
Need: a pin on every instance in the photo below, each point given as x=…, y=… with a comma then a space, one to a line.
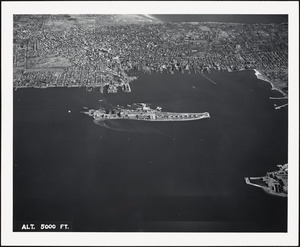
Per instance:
x=281, y=106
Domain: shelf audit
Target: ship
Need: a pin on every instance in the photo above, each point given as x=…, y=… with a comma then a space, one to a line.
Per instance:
x=274, y=183
x=143, y=112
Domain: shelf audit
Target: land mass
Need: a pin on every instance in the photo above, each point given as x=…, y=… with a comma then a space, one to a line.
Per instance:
x=99, y=50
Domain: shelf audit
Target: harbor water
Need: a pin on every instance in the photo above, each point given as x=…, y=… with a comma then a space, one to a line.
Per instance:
x=121, y=175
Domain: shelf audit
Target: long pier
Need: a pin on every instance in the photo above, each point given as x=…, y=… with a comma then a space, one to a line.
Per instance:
x=278, y=97
x=281, y=106
x=207, y=78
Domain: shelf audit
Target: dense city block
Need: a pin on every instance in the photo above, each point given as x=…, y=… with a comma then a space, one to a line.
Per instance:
x=99, y=50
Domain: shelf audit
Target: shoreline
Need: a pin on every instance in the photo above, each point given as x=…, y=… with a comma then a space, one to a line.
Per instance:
x=261, y=76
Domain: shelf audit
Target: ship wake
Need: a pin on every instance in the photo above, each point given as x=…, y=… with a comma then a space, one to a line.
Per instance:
x=129, y=126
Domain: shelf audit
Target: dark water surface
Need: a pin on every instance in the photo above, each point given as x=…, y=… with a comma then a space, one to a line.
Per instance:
x=151, y=176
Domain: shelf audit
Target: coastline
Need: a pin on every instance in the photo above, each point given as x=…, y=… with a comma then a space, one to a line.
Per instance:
x=261, y=76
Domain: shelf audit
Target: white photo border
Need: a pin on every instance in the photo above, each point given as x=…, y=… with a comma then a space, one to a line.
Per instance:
x=150, y=239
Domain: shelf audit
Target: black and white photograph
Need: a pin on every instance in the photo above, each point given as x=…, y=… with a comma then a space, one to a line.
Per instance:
x=131, y=118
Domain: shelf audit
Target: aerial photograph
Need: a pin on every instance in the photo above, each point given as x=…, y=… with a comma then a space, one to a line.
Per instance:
x=150, y=123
